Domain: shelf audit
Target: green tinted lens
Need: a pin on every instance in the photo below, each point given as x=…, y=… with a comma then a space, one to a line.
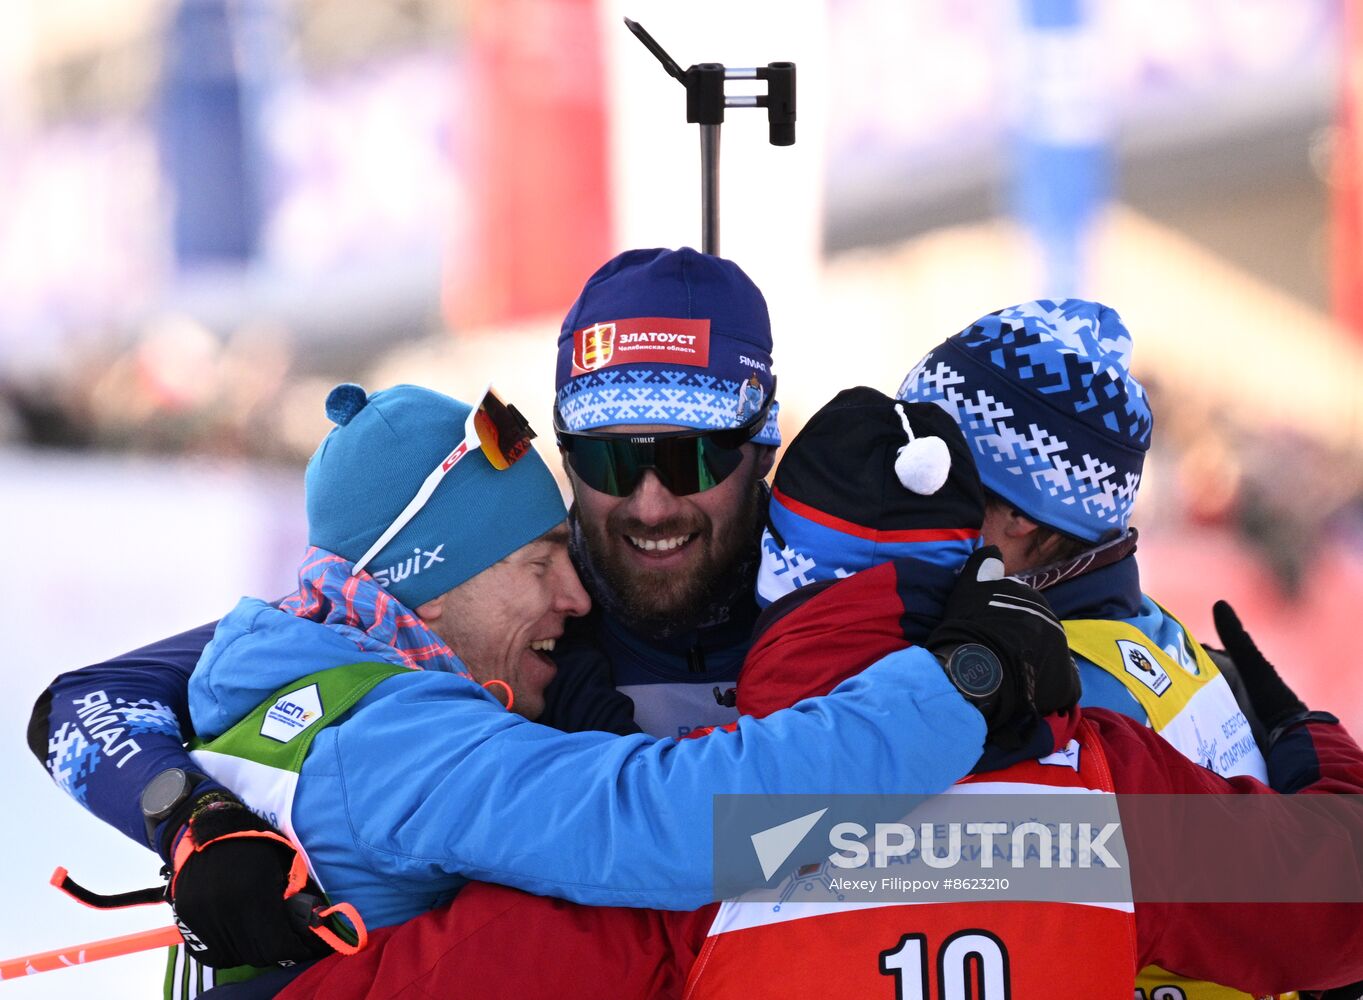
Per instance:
x=610, y=467
x=694, y=464
x=685, y=465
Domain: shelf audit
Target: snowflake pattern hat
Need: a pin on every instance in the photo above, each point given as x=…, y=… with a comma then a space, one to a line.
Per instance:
x=1044, y=394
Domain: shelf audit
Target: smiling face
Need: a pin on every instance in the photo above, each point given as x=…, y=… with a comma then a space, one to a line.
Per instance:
x=667, y=557
x=504, y=622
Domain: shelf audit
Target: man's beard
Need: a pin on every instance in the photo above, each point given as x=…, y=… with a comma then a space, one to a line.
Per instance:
x=664, y=603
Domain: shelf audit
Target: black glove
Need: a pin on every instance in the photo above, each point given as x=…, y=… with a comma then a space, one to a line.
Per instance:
x=1018, y=626
x=1272, y=700
x=240, y=890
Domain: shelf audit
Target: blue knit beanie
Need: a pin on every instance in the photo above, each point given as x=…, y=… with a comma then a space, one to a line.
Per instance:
x=373, y=462
x=671, y=337
x=1045, y=396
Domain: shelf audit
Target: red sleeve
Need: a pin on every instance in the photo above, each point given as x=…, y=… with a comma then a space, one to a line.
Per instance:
x=502, y=942
x=1250, y=846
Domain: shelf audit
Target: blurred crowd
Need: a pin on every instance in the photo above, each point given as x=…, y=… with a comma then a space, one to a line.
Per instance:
x=175, y=388
x=1283, y=494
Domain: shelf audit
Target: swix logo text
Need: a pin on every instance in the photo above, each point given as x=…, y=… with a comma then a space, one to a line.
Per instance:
x=420, y=559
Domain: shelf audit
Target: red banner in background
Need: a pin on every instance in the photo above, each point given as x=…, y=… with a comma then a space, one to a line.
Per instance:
x=1347, y=229
x=537, y=221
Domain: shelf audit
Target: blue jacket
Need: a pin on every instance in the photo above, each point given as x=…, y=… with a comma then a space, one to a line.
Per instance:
x=81, y=725
x=428, y=782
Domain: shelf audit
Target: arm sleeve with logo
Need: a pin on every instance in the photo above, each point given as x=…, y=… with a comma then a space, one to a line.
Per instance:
x=104, y=731
x=625, y=820
x=1258, y=947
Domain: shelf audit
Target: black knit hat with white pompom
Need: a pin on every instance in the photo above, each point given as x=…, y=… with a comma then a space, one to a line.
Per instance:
x=870, y=479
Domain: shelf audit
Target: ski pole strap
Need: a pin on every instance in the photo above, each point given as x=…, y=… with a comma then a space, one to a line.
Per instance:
x=337, y=943
x=112, y=901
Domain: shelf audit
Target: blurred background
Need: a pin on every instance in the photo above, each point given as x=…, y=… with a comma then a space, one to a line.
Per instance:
x=213, y=210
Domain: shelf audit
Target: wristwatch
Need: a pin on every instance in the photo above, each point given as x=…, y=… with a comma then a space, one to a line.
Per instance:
x=976, y=671
x=164, y=793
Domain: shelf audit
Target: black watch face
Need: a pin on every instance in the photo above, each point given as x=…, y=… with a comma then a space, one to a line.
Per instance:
x=164, y=792
x=975, y=670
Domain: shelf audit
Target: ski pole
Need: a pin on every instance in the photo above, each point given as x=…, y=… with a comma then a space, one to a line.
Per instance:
x=93, y=951
x=705, y=104
x=162, y=937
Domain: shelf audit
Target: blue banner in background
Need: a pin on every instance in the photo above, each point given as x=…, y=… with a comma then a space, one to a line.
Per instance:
x=1062, y=153
x=220, y=65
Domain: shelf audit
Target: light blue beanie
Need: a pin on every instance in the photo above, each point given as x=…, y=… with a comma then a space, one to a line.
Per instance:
x=373, y=462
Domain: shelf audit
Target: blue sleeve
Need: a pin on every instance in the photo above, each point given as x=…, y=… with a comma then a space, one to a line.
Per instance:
x=626, y=821
x=1102, y=690
x=104, y=731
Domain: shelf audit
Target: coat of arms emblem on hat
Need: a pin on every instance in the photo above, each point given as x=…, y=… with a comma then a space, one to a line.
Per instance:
x=594, y=347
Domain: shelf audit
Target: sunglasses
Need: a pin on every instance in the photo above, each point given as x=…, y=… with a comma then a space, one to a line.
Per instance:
x=685, y=461
x=495, y=428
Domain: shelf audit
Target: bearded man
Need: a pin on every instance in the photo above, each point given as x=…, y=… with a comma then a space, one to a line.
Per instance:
x=667, y=424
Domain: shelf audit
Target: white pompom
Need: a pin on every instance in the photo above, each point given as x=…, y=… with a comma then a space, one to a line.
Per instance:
x=923, y=465
x=990, y=569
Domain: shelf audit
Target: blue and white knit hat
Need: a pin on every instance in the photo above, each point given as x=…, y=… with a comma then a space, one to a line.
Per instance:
x=869, y=480
x=373, y=462
x=1058, y=425
x=671, y=337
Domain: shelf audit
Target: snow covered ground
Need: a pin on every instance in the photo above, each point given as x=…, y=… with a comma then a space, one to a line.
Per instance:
x=102, y=554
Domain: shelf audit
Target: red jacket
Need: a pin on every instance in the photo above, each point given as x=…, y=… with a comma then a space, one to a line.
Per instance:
x=498, y=942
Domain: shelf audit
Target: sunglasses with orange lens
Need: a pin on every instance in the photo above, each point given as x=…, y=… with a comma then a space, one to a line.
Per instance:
x=493, y=427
